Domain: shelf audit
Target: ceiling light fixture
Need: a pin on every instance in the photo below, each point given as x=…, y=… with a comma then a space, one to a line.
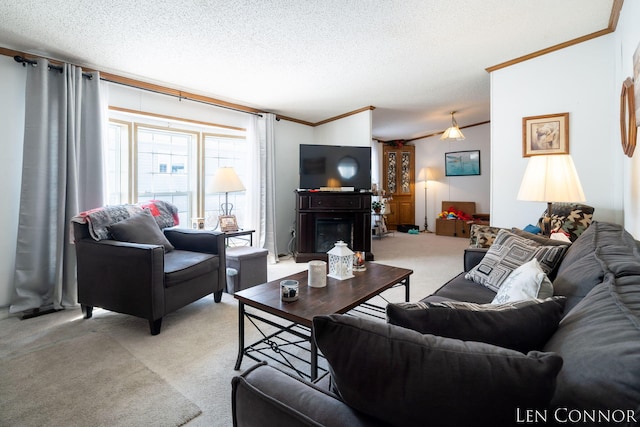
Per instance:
x=453, y=133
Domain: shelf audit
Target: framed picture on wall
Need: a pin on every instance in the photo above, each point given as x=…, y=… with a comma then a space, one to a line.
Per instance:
x=548, y=134
x=462, y=163
x=628, y=128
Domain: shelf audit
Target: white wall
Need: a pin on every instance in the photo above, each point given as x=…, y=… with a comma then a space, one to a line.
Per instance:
x=580, y=80
x=627, y=40
x=289, y=136
x=430, y=153
x=12, y=89
x=354, y=130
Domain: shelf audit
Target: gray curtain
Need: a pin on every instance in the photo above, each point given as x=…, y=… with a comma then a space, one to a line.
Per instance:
x=62, y=174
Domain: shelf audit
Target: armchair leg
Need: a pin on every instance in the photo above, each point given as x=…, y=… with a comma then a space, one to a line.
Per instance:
x=87, y=310
x=217, y=296
x=155, y=325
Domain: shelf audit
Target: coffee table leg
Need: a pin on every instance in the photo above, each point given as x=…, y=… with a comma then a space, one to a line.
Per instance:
x=314, y=357
x=240, y=335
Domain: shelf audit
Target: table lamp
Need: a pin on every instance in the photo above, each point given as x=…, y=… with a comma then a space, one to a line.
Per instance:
x=551, y=178
x=226, y=181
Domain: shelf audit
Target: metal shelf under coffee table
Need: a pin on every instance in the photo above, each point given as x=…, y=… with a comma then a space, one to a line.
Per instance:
x=286, y=341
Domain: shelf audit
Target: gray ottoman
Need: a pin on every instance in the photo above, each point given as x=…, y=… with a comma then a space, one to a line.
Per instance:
x=246, y=267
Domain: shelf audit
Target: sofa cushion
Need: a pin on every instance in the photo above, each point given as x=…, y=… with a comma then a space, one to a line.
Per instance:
x=140, y=228
x=395, y=373
x=508, y=252
x=538, y=238
x=580, y=269
x=599, y=339
x=461, y=289
x=525, y=282
x=180, y=266
x=523, y=326
x=265, y=396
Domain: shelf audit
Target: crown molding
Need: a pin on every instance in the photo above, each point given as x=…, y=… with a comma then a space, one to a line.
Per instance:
x=613, y=23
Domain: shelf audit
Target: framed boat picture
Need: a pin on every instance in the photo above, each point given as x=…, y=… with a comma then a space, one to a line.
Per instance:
x=462, y=163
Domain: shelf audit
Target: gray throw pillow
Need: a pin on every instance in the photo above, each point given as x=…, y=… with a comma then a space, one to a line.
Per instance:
x=140, y=228
x=522, y=325
x=508, y=252
x=402, y=377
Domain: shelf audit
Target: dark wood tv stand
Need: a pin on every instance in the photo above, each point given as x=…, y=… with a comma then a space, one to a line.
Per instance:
x=322, y=217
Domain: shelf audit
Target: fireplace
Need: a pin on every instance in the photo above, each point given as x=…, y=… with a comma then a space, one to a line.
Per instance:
x=330, y=230
x=323, y=218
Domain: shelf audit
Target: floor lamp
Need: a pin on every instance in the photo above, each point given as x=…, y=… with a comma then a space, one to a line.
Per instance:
x=551, y=178
x=426, y=174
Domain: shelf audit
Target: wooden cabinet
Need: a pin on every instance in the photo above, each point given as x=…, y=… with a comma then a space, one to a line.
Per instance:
x=399, y=183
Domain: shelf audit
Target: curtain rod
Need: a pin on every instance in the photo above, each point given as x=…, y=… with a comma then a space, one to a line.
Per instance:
x=180, y=96
x=33, y=62
x=24, y=61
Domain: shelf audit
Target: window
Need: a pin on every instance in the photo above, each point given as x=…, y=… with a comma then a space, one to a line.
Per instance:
x=173, y=161
x=117, y=163
x=166, y=164
x=222, y=150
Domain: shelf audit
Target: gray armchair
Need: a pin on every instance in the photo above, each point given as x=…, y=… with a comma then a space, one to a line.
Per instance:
x=144, y=281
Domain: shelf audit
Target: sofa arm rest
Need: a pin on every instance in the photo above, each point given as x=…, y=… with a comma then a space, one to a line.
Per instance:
x=263, y=395
x=118, y=275
x=473, y=256
x=210, y=242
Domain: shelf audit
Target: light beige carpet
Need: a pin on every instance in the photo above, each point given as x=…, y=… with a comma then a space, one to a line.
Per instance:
x=195, y=353
x=87, y=381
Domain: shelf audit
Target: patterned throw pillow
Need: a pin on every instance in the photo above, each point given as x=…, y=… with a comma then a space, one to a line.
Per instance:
x=508, y=252
x=573, y=218
x=100, y=219
x=482, y=236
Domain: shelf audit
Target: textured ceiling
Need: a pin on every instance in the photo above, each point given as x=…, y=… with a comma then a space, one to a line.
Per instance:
x=414, y=60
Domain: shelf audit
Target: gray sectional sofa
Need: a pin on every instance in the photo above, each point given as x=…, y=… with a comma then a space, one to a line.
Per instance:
x=571, y=359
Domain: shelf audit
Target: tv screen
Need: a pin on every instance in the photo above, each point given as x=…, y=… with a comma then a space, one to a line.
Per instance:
x=335, y=166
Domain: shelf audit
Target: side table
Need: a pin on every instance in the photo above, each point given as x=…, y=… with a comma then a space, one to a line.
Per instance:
x=238, y=233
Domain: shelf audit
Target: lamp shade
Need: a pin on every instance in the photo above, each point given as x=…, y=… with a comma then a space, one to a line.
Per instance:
x=454, y=132
x=426, y=174
x=225, y=180
x=551, y=179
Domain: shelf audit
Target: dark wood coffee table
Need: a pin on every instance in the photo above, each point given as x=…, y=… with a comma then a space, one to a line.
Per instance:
x=339, y=296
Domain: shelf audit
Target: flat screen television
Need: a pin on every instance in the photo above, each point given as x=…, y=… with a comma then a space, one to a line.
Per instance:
x=335, y=166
